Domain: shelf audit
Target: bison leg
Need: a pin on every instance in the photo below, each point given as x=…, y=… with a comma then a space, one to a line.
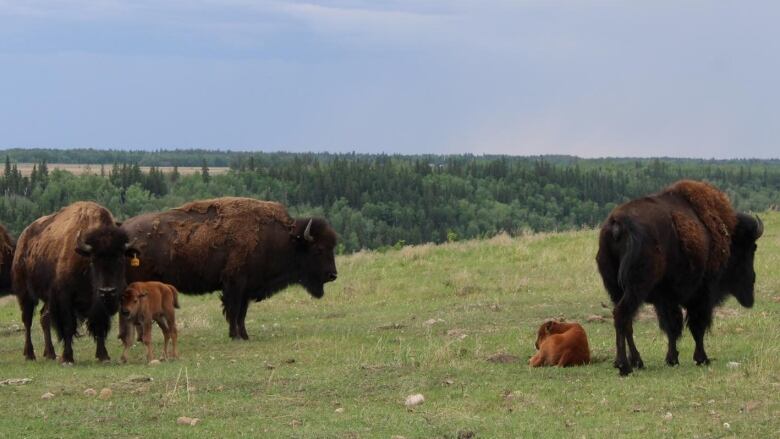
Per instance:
x=623, y=314
x=633, y=354
x=242, y=319
x=670, y=320
x=48, y=351
x=699, y=319
x=28, y=309
x=232, y=298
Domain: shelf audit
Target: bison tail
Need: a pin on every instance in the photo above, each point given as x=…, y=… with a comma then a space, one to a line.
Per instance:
x=627, y=231
x=175, y=297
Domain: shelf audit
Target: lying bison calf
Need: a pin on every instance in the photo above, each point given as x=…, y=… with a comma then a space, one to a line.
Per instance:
x=561, y=344
x=143, y=303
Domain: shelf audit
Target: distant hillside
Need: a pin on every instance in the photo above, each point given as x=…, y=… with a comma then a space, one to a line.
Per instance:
x=374, y=201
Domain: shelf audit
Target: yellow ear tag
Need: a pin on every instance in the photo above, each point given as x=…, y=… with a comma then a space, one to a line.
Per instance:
x=135, y=262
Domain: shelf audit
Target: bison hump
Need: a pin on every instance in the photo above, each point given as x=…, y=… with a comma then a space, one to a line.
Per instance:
x=715, y=212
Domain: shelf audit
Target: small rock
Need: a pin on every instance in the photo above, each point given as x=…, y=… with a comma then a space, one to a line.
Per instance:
x=269, y=366
x=449, y=382
x=726, y=425
x=339, y=410
x=90, y=392
x=154, y=362
x=290, y=361
x=668, y=416
x=233, y=360
x=413, y=400
x=186, y=420
x=732, y=365
x=47, y=395
x=105, y=393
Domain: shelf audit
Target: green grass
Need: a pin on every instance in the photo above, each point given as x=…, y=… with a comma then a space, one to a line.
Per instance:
x=365, y=346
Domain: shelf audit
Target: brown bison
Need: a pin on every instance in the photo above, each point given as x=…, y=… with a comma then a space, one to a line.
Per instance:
x=74, y=261
x=684, y=247
x=247, y=248
x=561, y=344
x=7, y=246
x=144, y=303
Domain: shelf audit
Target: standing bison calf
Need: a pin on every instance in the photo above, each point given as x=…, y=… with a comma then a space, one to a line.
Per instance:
x=74, y=261
x=142, y=304
x=247, y=248
x=684, y=247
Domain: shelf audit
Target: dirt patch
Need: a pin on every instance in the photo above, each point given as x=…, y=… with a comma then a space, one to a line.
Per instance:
x=503, y=358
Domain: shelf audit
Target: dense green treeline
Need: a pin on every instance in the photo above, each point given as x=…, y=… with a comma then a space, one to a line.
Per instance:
x=379, y=200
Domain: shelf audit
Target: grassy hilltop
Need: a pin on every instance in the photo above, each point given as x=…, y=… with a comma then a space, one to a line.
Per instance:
x=369, y=343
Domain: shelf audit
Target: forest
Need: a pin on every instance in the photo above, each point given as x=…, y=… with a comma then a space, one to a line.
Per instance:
x=375, y=201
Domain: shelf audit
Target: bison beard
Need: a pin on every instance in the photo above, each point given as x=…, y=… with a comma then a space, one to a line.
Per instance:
x=684, y=247
x=249, y=249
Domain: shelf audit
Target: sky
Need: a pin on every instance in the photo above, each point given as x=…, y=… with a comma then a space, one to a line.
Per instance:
x=581, y=77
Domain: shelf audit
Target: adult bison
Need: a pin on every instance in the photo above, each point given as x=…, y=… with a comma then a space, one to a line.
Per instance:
x=247, y=248
x=74, y=261
x=7, y=246
x=684, y=247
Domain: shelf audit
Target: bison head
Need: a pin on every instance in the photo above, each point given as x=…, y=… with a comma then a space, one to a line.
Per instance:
x=315, y=243
x=106, y=248
x=131, y=302
x=739, y=276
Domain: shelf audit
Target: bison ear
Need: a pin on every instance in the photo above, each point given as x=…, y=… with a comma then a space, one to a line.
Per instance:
x=548, y=327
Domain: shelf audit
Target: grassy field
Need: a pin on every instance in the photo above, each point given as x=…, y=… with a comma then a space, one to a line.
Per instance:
x=81, y=169
x=428, y=320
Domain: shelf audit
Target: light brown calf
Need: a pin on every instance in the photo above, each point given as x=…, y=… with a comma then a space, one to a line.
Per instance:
x=561, y=344
x=142, y=304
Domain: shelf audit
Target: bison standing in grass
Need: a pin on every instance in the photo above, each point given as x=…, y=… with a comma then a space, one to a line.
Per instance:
x=7, y=246
x=684, y=247
x=247, y=248
x=74, y=261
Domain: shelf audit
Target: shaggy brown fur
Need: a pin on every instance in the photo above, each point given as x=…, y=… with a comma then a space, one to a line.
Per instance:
x=714, y=211
x=561, y=344
x=142, y=304
x=73, y=260
x=7, y=246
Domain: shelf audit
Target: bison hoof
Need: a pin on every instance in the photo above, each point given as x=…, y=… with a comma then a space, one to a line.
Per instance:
x=638, y=363
x=672, y=362
x=704, y=362
x=625, y=370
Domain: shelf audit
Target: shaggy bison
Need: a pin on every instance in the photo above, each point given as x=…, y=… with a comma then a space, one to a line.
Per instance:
x=74, y=261
x=7, y=246
x=247, y=248
x=684, y=247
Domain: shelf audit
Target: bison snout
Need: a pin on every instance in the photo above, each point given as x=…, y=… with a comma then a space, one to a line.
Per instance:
x=106, y=290
x=332, y=276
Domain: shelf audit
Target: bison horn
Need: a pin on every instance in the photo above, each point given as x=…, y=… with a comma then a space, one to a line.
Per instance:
x=307, y=232
x=81, y=245
x=759, y=227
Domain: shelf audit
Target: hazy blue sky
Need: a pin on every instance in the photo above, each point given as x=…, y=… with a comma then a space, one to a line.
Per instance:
x=591, y=78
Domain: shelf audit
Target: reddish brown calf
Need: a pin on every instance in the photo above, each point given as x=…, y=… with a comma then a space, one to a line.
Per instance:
x=142, y=304
x=561, y=344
